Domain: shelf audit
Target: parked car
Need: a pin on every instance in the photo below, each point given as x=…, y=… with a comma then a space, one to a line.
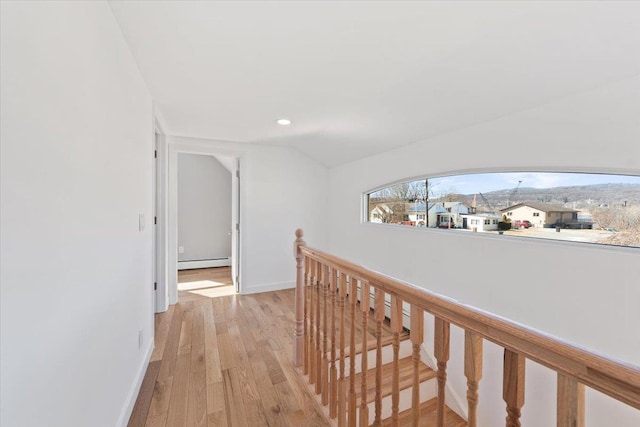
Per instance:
x=523, y=224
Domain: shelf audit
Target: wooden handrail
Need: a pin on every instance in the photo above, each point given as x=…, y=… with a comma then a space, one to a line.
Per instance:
x=612, y=377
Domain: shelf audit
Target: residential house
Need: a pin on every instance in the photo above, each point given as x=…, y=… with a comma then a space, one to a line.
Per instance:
x=380, y=213
x=98, y=98
x=545, y=215
x=441, y=214
x=417, y=213
x=453, y=215
x=480, y=222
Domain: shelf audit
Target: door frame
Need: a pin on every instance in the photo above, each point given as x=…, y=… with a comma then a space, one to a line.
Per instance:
x=158, y=253
x=168, y=151
x=235, y=224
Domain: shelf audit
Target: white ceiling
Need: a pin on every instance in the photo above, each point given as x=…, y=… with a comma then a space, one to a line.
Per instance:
x=358, y=78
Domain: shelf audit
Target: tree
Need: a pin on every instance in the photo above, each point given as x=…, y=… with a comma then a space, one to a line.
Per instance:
x=620, y=218
x=504, y=223
x=396, y=198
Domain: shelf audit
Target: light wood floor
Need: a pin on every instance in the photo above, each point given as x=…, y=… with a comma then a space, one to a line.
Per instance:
x=206, y=282
x=224, y=360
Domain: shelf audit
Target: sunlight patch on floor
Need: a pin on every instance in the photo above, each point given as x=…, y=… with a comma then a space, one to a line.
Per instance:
x=199, y=284
x=221, y=291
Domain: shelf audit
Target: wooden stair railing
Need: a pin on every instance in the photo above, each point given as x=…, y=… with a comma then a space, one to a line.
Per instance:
x=331, y=291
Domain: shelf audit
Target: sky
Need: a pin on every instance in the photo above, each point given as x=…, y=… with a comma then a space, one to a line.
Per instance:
x=486, y=182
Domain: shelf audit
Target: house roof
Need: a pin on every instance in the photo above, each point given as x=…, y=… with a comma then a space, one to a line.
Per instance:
x=481, y=215
x=416, y=207
x=382, y=208
x=457, y=207
x=419, y=207
x=544, y=207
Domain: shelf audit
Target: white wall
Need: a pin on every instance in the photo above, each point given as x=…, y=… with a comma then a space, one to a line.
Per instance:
x=281, y=189
x=204, y=208
x=76, y=172
x=584, y=293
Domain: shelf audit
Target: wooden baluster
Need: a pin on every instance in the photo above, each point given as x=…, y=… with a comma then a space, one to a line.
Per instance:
x=396, y=329
x=570, y=402
x=513, y=386
x=325, y=335
x=298, y=333
x=441, y=352
x=342, y=391
x=333, y=373
x=379, y=317
x=312, y=323
x=318, y=360
x=364, y=305
x=307, y=292
x=417, y=337
x=473, y=372
x=353, y=301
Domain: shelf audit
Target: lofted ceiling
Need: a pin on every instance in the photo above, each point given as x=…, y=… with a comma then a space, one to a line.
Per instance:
x=358, y=78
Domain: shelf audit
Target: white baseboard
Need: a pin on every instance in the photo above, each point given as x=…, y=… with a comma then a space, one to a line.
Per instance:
x=268, y=287
x=123, y=420
x=207, y=263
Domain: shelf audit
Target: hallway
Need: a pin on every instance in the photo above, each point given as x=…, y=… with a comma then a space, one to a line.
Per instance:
x=224, y=360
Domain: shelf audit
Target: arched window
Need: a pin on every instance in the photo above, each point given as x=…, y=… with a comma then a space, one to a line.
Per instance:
x=581, y=207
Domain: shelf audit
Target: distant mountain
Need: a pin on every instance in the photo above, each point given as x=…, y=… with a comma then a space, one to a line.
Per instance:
x=577, y=197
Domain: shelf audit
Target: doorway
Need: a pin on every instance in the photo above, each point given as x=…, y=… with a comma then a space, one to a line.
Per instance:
x=168, y=186
x=204, y=212
x=204, y=225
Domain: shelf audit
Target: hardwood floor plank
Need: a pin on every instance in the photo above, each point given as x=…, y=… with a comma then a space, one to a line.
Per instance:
x=198, y=363
x=225, y=361
x=273, y=367
x=234, y=404
x=289, y=400
x=218, y=419
x=184, y=346
x=225, y=350
x=171, y=348
x=255, y=414
x=245, y=373
x=211, y=355
x=269, y=398
x=162, y=333
x=197, y=410
x=215, y=397
x=161, y=396
x=250, y=344
x=143, y=402
x=177, y=413
x=157, y=421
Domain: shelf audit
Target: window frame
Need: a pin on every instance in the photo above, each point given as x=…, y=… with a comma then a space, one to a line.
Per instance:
x=365, y=196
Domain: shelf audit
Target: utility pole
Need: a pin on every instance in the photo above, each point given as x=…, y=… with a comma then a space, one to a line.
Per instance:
x=512, y=196
x=426, y=202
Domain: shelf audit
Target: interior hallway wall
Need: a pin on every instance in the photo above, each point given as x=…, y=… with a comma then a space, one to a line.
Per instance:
x=584, y=293
x=76, y=174
x=204, y=208
x=281, y=189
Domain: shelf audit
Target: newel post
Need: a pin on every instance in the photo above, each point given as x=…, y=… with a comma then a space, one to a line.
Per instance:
x=298, y=333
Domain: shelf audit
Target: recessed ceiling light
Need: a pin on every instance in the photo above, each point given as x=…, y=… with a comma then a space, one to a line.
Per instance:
x=284, y=122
